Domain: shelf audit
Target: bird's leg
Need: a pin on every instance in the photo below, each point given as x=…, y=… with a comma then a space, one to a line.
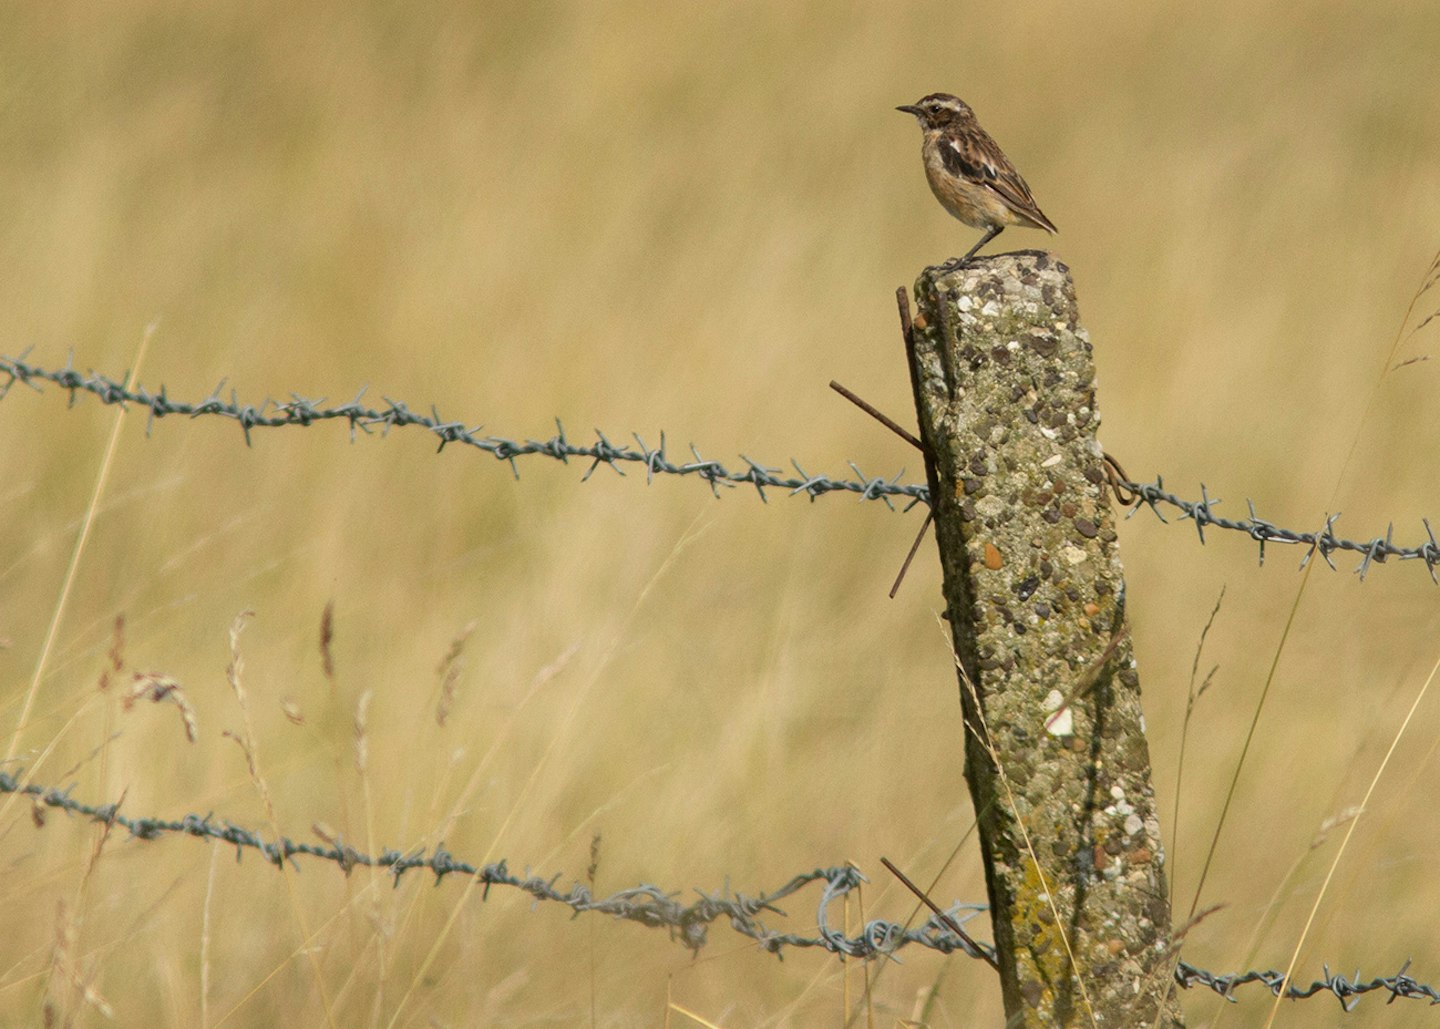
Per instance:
x=994, y=231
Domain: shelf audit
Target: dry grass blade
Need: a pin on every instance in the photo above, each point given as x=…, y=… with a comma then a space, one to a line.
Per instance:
x=205, y=937
x=360, y=736
x=102, y=476
x=378, y=918
x=1432, y=273
x=1432, y=276
x=1194, y=695
x=692, y=1015
x=1249, y=739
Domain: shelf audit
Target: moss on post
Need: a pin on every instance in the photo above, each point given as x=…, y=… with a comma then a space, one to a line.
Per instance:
x=1056, y=757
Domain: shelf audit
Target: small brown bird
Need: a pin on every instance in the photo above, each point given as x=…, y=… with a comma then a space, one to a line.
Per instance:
x=969, y=173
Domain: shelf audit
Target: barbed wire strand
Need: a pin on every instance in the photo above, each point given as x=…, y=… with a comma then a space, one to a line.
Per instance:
x=657, y=908
x=646, y=904
x=300, y=411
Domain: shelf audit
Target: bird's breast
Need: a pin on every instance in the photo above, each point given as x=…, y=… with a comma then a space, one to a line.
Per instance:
x=976, y=205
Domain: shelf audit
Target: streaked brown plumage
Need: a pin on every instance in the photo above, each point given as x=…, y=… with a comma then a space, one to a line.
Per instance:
x=969, y=173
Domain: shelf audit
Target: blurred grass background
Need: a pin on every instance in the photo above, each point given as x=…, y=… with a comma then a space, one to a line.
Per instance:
x=689, y=217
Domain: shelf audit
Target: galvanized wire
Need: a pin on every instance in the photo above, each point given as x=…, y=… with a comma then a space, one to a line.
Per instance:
x=688, y=923
x=299, y=411
x=646, y=904
x=1400, y=986
x=1322, y=541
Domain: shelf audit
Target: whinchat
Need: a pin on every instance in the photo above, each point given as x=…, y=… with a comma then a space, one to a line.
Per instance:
x=969, y=173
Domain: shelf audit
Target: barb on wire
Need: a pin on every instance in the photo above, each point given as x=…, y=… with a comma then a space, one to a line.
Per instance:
x=300, y=411
x=657, y=908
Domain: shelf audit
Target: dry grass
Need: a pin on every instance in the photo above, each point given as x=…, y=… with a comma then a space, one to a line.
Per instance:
x=689, y=217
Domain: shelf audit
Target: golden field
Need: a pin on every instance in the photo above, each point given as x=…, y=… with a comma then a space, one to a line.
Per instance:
x=684, y=217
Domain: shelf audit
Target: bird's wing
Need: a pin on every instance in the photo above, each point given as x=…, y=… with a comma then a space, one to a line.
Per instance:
x=978, y=158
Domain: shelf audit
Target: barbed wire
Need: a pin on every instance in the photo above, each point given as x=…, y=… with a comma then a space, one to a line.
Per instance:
x=1323, y=541
x=645, y=904
x=689, y=924
x=1348, y=991
x=301, y=411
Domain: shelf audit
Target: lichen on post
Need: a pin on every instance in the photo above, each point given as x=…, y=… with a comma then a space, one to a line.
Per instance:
x=1055, y=751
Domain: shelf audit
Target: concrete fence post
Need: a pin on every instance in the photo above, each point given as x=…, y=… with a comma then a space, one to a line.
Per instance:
x=1055, y=750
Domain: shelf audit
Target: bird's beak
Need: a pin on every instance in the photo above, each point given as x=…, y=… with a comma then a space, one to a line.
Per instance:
x=910, y=109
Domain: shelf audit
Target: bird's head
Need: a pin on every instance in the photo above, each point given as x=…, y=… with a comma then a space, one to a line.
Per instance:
x=938, y=110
